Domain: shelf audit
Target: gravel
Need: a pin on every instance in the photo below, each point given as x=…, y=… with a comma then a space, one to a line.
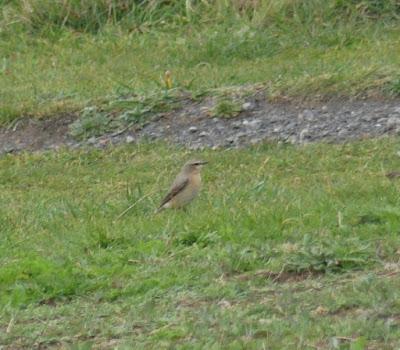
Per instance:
x=192, y=126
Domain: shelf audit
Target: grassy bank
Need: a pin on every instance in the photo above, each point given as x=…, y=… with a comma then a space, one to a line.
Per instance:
x=59, y=58
x=300, y=249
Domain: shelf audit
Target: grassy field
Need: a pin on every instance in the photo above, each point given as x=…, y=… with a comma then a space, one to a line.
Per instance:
x=286, y=248
x=53, y=59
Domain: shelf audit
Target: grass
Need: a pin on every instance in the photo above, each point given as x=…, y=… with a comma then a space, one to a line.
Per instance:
x=226, y=108
x=314, y=49
x=301, y=249
x=286, y=248
x=123, y=112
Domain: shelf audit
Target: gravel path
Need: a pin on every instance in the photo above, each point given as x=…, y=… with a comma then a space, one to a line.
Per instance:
x=192, y=126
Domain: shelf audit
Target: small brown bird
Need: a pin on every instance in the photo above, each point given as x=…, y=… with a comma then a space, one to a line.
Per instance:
x=185, y=187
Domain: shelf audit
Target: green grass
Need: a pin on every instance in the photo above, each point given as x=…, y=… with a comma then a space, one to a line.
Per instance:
x=51, y=62
x=226, y=108
x=286, y=248
x=227, y=273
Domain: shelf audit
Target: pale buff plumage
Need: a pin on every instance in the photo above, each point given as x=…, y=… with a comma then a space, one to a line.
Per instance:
x=185, y=187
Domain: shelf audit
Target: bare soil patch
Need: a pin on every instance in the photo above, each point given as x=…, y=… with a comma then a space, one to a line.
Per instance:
x=194, y=125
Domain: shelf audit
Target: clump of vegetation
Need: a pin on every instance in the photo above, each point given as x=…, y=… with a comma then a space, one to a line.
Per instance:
x=393, y=87
x=92, y=122
x=135, y=108
x=316, y=256
x=122, y=113
x=226, y=108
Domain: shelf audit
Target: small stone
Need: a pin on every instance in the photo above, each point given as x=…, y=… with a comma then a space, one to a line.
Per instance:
x=292, y=139
x=225, y=304
x=54, y=146
x=236, y=124
x=324, y=108
x=252, y=123
x=91, y=141
x=103, y=142
x=368, y=118
x=203, y=134
x=382, y=120
x=308, y=114
x=75, y=145
x=255, y=140
x=353, y=125
x=129, y=139
x=305, y=133
x=153, y=135
x=196, y=147
x=392, y=122
x=9, y=149
x=240, y=134
x=193, y=129
x=247, y=106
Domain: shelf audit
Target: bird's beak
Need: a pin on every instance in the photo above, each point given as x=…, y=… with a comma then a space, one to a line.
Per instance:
x=203, y=162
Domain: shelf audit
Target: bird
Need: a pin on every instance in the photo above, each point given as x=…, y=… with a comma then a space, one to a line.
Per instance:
x=185, y=187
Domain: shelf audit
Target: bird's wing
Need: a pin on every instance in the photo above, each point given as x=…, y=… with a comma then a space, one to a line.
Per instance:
x=177, y=187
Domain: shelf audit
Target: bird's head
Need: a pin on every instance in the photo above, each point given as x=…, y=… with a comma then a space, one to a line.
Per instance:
x=194, y=166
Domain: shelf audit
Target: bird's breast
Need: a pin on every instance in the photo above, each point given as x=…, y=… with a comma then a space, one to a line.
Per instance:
x=188, y=193
x=196, y=180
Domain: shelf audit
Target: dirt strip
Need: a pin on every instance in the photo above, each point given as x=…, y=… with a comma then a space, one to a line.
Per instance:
x=192, y=126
